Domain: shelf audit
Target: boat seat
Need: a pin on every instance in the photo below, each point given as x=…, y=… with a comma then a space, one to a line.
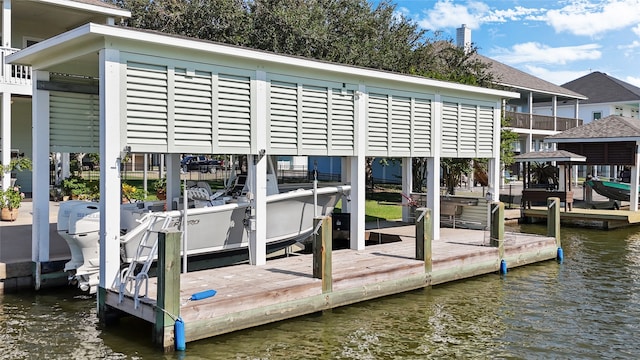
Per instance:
x=238, y=187
x=204, y=185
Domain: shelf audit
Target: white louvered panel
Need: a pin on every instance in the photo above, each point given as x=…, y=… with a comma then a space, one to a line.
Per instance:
x=146, y=105
x=74, y=122
x=234, y=111
x=422, y=127
x=193, y=109
x=449, y=143
x=485, y=131
x=467, y=130
x=283, y=115
x=342, y=120
x=314, y=117
x=401, y=126
x=377, y=125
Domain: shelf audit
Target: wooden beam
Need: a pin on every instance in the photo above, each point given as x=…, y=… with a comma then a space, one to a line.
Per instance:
x=497, y=227
x=322, y=249
x=168, y=305
x=553, y=218
x=67, y=87
x=424, y=224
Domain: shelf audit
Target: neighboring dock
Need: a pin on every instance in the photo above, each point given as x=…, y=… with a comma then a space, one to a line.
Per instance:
x=249, y=296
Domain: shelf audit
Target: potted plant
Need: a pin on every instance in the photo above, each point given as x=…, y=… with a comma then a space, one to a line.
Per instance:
x=10, y=201
x=160, y=186
x=132, y=194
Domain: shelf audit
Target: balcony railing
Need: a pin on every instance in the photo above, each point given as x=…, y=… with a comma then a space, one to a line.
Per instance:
x=13, y=74
x=540, y=122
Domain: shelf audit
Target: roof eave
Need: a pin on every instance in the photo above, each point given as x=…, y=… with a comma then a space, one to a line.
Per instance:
x=89, y=7
x=31, y=54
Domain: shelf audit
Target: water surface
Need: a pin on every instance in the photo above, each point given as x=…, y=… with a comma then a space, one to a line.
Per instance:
x=585, y=308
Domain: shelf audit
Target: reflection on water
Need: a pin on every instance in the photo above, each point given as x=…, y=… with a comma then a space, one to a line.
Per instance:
x=585, y=308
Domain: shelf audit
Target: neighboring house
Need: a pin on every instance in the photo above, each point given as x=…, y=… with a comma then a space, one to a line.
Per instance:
x=606, y=96
x=25, y=23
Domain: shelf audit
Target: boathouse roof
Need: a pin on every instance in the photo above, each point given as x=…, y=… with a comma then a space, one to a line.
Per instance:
x=544, y=156
x=608, y=129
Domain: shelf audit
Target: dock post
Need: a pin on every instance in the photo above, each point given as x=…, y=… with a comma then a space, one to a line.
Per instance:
x=496, y=237
x=553, y=219
x=424, y=224
x=168, y=304
x=322, y=247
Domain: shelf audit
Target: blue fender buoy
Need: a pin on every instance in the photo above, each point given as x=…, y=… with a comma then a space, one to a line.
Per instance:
x=503, y=267
x=178, y=329
x=560, y=255
x=203, y=295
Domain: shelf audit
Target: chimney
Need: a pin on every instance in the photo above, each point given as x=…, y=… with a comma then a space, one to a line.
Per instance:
x=463, y=37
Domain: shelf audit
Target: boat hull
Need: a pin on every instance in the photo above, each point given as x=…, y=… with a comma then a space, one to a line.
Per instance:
x=612, y=190
x=225, y=227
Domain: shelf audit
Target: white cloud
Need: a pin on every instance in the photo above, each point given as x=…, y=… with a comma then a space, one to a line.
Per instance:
x=533, y=52
x=591, y=19
x=446, y=14
x=630, y=49
x=633, y=80
x=554, y=77
x=636, y=30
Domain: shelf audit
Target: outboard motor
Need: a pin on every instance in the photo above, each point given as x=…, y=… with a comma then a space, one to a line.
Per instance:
x=65, y=210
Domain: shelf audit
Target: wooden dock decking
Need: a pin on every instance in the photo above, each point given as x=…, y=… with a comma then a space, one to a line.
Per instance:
x=249, y=296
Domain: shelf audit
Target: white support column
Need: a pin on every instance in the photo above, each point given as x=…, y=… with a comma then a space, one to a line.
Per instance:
x=407, y=186
x=554, y=113
x=433, y=168
x=357, y=172
x=562, y=178
x=173, y=179
x=635, y=178
x=258, y=172
x=358, y=191
x=6, y=23
x=494, y=163
x=40, y=180
x=433, y=194
x=257, y=169
x=345, y=178
x=66, y=165
x=111, y=153
x=5, y=120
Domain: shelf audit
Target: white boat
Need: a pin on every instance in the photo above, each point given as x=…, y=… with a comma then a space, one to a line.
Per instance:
x=213, y=226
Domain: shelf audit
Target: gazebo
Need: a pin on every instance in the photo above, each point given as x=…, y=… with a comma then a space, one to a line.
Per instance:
x=613, y=140
x=562, y=189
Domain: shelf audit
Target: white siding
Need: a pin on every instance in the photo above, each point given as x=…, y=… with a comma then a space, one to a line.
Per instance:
x=467, y=129
x=233, y=118
x=310, y=117
x=378, y=124
x=147, y=105
x=193, y=109
x=74, y=122
x=398, y=124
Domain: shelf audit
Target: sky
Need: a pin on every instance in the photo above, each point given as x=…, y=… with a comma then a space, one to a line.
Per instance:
x=558, y=41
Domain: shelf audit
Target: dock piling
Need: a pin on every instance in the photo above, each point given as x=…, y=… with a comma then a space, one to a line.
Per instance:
x=168, y=302
x=322, y=248
x=553, y=218
x=496, y=228
x=424, y=223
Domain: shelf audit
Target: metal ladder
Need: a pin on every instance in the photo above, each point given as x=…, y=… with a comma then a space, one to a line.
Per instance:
x=131, y=282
